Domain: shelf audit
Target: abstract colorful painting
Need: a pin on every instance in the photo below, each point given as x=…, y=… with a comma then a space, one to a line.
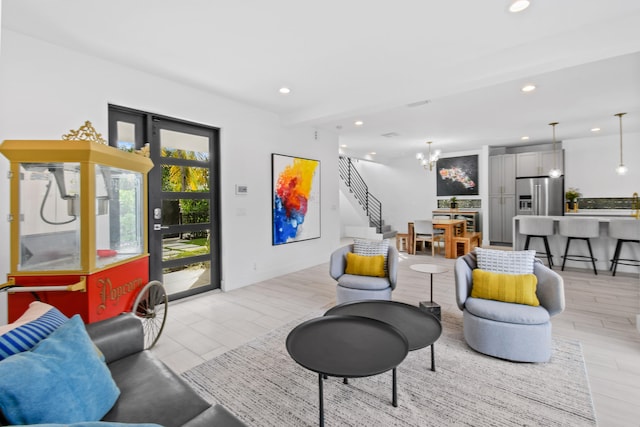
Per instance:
x=296, y=199
x=457, y=176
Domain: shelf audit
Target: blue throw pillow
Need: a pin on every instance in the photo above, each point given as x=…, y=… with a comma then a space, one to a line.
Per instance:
x=95, y=424
x=61, y=380
x=33, y=326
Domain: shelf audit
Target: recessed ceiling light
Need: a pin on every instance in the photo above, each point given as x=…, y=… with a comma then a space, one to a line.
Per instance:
x=518, y=5
x=528, y=88
x=343, y=145
x=525, y=138
x=595, y=130
x=284, y=90
x=373, y=153
x=358, y=123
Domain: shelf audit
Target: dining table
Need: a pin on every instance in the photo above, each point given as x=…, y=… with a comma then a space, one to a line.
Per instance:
x=452, y=228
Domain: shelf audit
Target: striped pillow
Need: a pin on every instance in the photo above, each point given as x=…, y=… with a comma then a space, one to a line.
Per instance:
x=33, y=326
x=372, y=247
x=508, y=262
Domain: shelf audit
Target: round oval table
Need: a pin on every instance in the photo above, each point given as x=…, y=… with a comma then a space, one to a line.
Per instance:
x=421, y=329
x=347, y=347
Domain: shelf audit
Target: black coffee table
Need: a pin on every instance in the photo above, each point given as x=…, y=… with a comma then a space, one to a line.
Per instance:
x=420, y=328
x=347, y=347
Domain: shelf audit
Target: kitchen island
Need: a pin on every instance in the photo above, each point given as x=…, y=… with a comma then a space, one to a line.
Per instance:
x=603, y=247
x=618, y=213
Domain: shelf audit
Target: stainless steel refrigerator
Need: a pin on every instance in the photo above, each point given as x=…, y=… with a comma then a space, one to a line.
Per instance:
x=540, y=196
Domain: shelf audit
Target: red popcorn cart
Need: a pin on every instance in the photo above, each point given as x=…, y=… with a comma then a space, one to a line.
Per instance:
x=78, y=217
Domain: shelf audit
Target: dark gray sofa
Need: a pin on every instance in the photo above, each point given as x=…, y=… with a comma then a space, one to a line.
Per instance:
x=149, y=391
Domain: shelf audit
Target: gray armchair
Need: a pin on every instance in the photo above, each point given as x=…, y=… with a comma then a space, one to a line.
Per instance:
x=509, y=331
x=352, y=287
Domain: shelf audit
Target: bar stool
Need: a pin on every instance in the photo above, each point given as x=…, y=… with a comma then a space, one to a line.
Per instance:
x=579, y=229
x=626, y=231
x=541, y=227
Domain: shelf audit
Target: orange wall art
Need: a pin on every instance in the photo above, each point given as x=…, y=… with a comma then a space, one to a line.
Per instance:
x=296, y=199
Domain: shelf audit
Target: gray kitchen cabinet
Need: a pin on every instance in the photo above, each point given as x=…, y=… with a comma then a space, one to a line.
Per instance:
x=538, y=163
x=502, y=174
x=502, y=189
x=502, y=209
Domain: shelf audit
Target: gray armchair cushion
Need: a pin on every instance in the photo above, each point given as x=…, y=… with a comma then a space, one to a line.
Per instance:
x=338, y=263
x=506, y=312
x=363, y=282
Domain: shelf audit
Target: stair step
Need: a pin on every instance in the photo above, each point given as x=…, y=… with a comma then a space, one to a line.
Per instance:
x=389, y=234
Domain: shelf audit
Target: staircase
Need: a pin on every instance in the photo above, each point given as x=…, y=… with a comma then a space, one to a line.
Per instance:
x=370, y=205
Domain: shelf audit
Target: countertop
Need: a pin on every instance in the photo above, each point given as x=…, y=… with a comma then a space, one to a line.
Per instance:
x=602, y=218
x=601, y=212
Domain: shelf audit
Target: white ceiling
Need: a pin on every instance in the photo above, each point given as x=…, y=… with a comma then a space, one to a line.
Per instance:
x=348, y=60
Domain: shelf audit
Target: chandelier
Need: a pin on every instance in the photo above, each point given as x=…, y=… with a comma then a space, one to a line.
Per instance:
x=430, y=159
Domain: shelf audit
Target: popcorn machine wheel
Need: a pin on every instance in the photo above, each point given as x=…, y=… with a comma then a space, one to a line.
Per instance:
x=150, y=305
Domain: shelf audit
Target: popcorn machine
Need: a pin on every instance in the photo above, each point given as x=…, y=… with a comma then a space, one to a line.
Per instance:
x=78, y=217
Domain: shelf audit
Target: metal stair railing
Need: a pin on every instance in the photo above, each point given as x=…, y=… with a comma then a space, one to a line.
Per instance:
x=360, y=190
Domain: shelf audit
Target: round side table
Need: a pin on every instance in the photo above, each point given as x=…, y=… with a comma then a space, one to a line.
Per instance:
x=430, y=306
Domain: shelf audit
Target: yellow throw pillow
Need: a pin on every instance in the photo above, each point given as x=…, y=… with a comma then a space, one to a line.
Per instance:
x=516, y=288
x=362, y=265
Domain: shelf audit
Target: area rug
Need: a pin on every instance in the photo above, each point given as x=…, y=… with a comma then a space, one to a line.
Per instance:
x=263, y=386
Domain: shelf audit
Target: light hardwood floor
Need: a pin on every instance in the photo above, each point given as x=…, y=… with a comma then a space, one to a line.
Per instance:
x=600, y=313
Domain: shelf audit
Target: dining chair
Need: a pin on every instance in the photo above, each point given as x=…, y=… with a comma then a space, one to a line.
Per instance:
x=424, y=233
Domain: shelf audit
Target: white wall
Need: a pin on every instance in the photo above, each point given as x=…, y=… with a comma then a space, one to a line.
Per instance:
x=408, y=192
x=590, y=165
x=46, y=90
x=351, y=212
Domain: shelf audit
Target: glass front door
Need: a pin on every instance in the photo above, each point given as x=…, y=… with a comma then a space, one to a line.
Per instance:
x=183, y=203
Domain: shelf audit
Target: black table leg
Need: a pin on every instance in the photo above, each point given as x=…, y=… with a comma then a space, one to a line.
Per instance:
x=321, y=403
x=433, y=357
x=431, y=293
x=395, y=390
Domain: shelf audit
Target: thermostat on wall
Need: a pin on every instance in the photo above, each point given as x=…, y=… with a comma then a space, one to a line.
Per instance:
x=242, y=189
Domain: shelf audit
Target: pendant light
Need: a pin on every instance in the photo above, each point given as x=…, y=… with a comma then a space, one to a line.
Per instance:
x=555, y=172
x=621, y=169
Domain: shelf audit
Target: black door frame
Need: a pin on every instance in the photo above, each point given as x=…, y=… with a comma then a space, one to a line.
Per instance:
x=148, y=131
